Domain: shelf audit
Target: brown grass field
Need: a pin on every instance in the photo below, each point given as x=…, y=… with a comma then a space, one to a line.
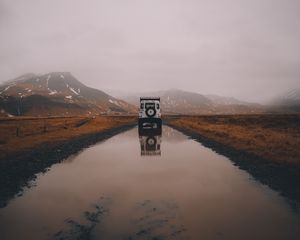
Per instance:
x=273, y=137
x=24, y=133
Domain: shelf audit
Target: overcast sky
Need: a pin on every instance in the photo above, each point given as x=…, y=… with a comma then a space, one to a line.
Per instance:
x=240, y=48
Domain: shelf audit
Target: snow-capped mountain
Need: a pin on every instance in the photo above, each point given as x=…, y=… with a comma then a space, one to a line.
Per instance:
x=57, y=93
x=176, y=101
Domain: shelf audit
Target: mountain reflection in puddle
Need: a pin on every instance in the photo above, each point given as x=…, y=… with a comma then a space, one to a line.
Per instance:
x=112, y=191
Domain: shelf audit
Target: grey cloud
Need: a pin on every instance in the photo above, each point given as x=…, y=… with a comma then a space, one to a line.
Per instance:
x=239, y=48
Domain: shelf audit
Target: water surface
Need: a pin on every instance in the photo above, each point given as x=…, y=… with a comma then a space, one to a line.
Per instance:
x=148, y=187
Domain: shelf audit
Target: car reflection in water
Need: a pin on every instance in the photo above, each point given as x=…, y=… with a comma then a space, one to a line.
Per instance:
x=150, y=141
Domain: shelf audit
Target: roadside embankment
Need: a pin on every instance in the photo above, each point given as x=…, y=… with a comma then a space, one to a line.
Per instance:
x=271, y=137
x=18, y=135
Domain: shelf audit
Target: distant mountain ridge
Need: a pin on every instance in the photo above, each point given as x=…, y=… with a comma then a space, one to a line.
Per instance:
x=289, y=100
x=56, y=93
x=176, y=101
x=61, y=94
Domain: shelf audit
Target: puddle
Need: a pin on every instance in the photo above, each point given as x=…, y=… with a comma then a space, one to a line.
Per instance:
x=148, y=187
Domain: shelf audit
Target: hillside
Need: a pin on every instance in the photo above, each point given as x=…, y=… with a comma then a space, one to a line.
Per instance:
x=56, y=93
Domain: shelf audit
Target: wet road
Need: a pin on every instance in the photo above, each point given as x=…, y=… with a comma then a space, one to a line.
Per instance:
x=148, y=187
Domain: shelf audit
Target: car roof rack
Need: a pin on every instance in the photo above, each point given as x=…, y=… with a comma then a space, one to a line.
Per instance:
x=150, y=98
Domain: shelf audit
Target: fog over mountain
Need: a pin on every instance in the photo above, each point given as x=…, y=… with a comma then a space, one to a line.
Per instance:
x=244, y=49
x=290, y=100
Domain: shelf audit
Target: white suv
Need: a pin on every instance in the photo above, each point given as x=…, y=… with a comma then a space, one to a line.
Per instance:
x=149, y=115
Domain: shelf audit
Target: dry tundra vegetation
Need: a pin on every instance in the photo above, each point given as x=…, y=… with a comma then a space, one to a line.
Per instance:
x=270, y=136
x=273, y=137
x=24, y=133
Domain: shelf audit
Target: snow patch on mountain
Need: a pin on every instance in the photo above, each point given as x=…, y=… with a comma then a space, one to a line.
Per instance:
x=5, y=89
x=52, y=92
x=47, y=80
x=114, y=102
x=73, y=90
